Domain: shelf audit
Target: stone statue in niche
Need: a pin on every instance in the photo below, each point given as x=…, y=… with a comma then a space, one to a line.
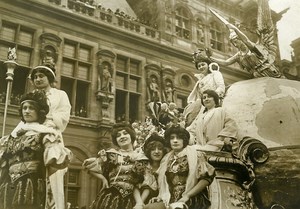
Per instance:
x=169, y=92
x=49, y=56
x=200, y=31
x=105, y=78
x=154, y=90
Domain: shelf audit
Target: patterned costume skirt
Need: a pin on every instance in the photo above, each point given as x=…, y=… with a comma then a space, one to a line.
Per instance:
x=27, y=191
x=111, y=198
x=199, y=201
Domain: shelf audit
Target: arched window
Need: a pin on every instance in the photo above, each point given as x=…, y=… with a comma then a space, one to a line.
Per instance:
x=216, y=37
x=183, y=23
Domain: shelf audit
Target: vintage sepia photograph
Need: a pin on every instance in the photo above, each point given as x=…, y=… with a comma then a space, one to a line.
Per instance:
x=149, y=104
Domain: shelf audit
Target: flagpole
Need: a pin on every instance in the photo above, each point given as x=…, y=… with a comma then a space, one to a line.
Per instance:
x=10, y=64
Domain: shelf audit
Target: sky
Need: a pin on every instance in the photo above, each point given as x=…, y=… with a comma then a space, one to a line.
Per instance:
x=289, y=25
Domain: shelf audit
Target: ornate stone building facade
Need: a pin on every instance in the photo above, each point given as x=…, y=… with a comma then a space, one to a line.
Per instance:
x=105, y=58
x=291, y=68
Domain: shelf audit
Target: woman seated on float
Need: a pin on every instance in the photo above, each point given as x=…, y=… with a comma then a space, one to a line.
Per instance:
x=213, y=129
x=154, y=149
x=183, y=175
x=122, y=171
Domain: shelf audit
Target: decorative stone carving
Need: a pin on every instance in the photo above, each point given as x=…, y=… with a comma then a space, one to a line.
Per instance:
x=12, y=54
x=237, y=197
x=105, y=83
x=168, y=85
x=168, y=91
x=251, y=151
x=228, y=190
x=11, y=63
x=50, y=44
x=153, y=83
x=154, y=90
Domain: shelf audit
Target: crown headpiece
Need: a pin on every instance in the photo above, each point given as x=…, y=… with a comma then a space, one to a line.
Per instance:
x=200, y=56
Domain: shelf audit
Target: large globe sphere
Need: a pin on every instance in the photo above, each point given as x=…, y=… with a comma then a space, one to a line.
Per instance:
x=267, y=109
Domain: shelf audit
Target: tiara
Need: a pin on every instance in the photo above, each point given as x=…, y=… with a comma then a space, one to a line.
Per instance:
x=29, y=100
x=46, y=68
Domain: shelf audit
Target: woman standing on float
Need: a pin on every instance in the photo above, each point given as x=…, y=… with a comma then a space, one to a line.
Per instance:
x=209, y=77
x=43, y=78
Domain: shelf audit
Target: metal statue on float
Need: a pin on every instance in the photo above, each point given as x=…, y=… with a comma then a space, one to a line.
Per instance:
x=257, y=58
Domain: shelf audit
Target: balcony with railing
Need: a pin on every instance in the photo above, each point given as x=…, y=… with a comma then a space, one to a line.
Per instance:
x=105, y=15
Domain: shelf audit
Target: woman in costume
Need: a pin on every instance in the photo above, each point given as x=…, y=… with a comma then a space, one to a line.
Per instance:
x=29, y=157
x=122, y=171
x=209, y=77
x=154, y=149
x=183, y=175
x=213, y=129
x=43, y=78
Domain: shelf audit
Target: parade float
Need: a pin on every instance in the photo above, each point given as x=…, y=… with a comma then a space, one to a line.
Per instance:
x=263, y=171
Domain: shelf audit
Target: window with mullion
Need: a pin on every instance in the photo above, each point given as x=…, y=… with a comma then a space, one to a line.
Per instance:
x=20, y=37
x=76, y=75
x=183, y=26
x=128, y=89
x=216, y=40
x=72, y=186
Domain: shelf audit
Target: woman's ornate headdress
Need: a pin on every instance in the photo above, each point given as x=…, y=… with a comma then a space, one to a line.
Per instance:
x=201, y=55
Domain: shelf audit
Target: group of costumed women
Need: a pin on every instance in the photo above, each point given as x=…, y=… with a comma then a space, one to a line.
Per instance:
x=172, y=172
x=33, y=158
x=155, y=178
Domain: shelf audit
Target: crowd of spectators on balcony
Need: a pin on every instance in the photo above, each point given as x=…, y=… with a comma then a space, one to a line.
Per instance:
x=119, y=13
x=122, y=14
x=14, y=98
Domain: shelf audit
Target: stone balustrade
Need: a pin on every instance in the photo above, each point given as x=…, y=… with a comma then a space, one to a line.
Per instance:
x=105, y=15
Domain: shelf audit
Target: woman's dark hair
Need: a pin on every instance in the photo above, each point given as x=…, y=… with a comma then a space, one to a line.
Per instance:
x=213, y=94
x=45, y=70
x=181, y=133
x=122, y=126
x=39, y=100
x=206, y=61
x=201, y=56
x=152, y=142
